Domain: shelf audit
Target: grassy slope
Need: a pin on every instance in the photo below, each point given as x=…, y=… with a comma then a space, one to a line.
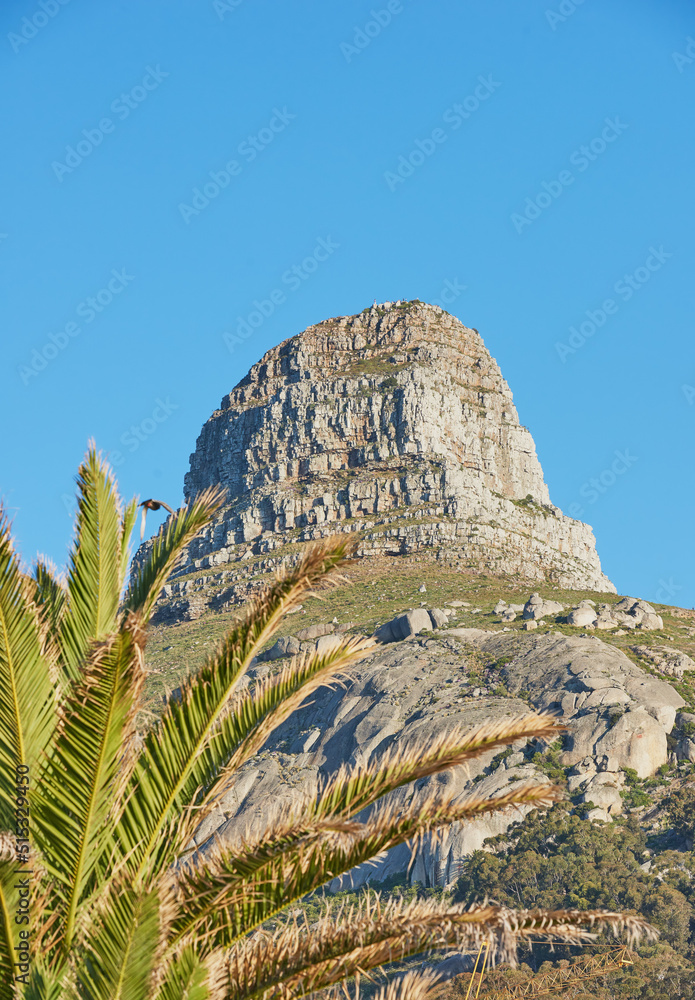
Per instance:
x=375, y=590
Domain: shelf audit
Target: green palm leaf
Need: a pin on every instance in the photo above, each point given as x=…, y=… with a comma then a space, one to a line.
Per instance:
x=121, y=952
x=50, y=594
x=82, y=779
x=130, y=513
x=186, y=978
x=199, y=733
x=26, y=691
x=95, y=562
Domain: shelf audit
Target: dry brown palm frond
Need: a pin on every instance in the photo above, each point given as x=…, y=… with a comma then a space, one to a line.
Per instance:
x=298, y=959
x=413, y=985
x=258, y=879
x=350, y=790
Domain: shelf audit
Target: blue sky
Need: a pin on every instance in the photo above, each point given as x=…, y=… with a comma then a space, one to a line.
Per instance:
x=537, y=155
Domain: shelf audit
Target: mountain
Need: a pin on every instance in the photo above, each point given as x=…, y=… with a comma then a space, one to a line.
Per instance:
x=485, y=600
x=396, y=424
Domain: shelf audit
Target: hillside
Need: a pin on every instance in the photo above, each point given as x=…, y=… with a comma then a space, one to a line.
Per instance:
x=478, y=666
x=485, y=599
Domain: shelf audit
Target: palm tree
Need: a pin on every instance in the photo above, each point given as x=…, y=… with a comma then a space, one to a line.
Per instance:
x=100, y=896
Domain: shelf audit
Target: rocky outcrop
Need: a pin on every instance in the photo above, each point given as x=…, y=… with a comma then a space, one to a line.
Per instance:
x=665, y=659
x=395, y=424
x=617, y=717
x=616, y=714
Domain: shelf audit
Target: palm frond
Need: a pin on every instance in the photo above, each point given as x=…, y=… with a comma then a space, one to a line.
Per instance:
x=186, y=978
x=351, y=790
x=94, y=565
x=9, y=930
x=298, y=958
x=414, y=985
x=88, y=767
x=167, y=550
x=27, y=714
x=198, y=734
x=50, y=593
x=130, y=514
x=255, y=714
x=239, y=889
x=121, y=953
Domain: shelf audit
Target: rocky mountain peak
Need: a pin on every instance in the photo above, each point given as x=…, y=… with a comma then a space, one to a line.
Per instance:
x=395, y=423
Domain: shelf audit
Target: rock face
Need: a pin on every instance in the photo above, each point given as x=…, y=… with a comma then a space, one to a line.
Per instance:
x=410, y=690
x=397, y=424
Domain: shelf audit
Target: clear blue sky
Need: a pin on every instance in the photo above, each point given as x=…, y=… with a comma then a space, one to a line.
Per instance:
x=305, y=111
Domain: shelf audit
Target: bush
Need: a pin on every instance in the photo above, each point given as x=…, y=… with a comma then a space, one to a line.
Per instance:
x=681, y=810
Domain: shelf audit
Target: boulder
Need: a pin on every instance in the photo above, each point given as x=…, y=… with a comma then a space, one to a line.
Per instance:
x=637, y=741
x=652, y=623
x=633, y=613
x=287, y=646
x=659, y=699
x=315, y=632
x=604, y=791
x=536, y=607
x=581, y=617
x=500, y=607
x=508, y=615
x=438, y=617
x=605, y=621
x=327, y=643
x=686, y=749
x=411, y=623
x=385, y=633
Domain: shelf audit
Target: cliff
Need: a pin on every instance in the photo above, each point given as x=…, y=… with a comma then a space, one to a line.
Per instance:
x=397, y=424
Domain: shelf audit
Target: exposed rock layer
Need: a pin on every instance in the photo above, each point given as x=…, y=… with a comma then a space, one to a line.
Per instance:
x=395, y=423
x=617, y=717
